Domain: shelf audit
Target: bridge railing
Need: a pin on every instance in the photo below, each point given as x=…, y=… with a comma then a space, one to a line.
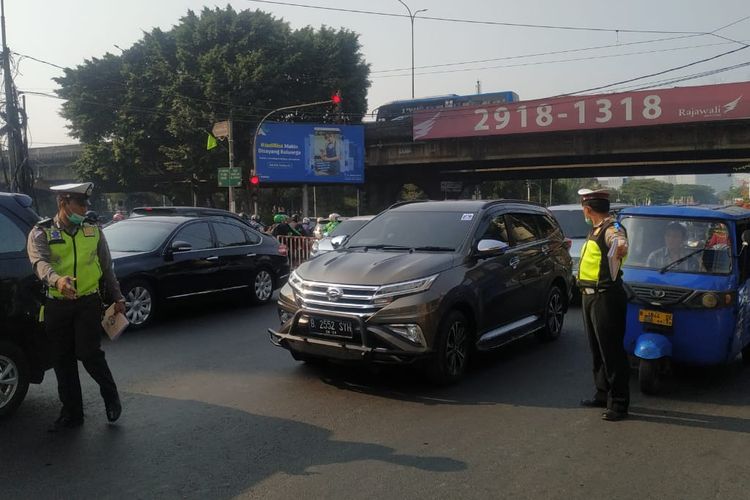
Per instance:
x=298, y=248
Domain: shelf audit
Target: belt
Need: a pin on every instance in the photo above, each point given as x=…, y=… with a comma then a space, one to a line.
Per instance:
x=592, y=291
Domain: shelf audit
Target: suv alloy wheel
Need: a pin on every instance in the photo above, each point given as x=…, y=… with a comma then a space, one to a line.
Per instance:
x=452, y=349
x=554, y=315
x=14, y=377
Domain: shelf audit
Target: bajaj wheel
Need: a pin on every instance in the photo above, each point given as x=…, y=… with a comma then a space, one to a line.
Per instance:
x=451, y=349
x=554, y=314
x=649, y=376
x=14, y=378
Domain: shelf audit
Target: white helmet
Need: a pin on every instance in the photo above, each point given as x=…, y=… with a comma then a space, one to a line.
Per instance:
x=305, y=220
x=334, y=216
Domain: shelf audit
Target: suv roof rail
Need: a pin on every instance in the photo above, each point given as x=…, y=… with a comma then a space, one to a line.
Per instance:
x=511, y=200
x=402, y=203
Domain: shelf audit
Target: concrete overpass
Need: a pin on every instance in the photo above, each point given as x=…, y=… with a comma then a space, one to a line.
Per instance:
x=393, y=158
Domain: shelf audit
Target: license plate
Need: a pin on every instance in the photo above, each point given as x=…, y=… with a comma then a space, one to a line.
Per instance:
x=332, y=327
x=655, y=317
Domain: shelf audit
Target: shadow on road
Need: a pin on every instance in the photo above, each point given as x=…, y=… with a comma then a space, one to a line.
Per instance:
x=176, y=448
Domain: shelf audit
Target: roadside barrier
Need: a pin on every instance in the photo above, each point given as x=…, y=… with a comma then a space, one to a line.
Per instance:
x=298, y=248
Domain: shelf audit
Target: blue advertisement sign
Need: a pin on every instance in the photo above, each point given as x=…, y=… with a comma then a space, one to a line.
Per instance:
x=310, y=153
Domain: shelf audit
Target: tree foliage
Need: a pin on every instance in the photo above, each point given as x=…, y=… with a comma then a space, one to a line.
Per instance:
x=695, y=193
x=646, y=192
x=145, y=114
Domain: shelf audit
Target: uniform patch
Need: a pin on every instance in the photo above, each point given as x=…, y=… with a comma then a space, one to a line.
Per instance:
x=89, y=231
x=55, y=236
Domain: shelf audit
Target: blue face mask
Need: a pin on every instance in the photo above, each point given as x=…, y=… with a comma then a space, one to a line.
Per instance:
x=76, y=219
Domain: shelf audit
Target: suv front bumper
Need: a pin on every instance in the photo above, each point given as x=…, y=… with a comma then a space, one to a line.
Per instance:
x=374, y=343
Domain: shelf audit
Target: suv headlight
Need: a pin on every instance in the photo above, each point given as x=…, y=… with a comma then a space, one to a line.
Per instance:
x=295, y=281
x=386, y=293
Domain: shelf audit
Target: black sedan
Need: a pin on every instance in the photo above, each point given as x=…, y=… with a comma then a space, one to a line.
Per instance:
x=161, y=259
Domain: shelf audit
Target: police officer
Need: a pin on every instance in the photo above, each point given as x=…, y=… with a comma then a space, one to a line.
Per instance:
x=71, y=257
x=604, y=305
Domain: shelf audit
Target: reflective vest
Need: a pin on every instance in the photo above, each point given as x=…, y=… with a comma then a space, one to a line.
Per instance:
x=593, y=269
x=75, y=256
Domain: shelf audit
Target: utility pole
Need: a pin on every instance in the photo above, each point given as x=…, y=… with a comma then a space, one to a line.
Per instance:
x=411, y=17
x=11, y=112
x=230, y=140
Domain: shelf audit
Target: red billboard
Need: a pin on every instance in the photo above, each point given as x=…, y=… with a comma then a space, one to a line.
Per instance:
x=729, y=101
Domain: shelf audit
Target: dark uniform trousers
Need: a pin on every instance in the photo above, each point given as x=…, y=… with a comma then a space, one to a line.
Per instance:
x=74, y=330
x=604, y=319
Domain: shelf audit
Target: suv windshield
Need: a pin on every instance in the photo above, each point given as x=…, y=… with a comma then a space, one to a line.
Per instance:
x=348, y=227
x=415, y=230
x=137, y=235
x=678, y=245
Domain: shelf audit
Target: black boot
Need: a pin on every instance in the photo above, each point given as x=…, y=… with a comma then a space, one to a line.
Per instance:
x=114, y=408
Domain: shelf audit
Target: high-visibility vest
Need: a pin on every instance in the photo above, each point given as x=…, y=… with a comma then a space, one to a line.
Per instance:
x=593, y=269
x=75, y=256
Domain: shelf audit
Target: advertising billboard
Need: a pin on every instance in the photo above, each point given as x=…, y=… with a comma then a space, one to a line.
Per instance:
x=310, y=153
x=729, y=101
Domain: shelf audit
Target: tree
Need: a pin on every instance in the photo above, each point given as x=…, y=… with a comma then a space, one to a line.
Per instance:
x=645, y=192
x=144, y=114
x=693, y=193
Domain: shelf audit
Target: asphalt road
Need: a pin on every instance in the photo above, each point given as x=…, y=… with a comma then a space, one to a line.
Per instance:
x=213, y=410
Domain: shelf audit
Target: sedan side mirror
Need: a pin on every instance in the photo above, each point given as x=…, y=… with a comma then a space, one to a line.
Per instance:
x=339, y=240
x=180, y=246
x=491, y=247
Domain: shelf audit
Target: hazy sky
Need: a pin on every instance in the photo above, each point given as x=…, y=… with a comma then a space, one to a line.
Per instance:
x=66, y=32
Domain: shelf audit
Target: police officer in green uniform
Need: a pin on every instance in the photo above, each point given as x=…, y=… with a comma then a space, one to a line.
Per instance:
x=604, y=305
x=72, y=258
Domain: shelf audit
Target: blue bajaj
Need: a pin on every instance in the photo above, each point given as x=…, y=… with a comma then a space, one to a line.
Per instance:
x=687, y=278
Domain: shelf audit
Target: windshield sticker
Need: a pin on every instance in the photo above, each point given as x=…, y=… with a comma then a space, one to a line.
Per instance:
x=467, y=216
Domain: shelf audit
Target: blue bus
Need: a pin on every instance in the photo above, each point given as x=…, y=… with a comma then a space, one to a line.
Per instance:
x=398, y=110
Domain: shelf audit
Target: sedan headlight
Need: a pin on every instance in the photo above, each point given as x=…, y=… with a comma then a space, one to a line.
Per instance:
x=387, y=292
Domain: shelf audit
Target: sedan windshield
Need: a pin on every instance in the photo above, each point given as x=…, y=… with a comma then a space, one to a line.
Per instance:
x=138, y=235
x=678, y=245
x=427, y=231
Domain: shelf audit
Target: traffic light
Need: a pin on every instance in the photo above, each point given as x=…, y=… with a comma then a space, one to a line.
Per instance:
x=336, y=98
x=254, y=187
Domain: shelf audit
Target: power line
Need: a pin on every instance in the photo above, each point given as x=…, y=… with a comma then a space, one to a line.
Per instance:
x=539, y=54
x=475, y=21
x=557, y=61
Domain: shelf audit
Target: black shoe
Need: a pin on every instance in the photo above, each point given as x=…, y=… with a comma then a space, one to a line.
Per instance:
x=114, y=409
x=614, y=415
x=593, y=403
x=65, y=422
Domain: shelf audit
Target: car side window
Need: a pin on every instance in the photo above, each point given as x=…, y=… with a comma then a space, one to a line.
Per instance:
x=13, y=240
x=546, y=225
x=496, y=229
x=252, y=237
x=229, y=235
x=197, y=234
x=523, y=228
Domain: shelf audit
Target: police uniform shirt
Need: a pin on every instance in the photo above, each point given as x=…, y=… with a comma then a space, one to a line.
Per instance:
x=613, y=231
x=40, y=256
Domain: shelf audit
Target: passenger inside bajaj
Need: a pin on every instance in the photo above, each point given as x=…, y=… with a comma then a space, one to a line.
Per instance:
x=688, y=287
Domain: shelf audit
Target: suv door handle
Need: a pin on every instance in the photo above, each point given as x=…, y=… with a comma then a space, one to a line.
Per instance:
x=514, y=262
x=212, y=258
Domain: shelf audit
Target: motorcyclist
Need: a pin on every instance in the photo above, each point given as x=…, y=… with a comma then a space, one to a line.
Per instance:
x=256, y=224
x=334, y=220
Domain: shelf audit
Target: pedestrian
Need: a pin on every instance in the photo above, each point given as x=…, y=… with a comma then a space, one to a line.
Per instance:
x=604, y=305
x=71, y=258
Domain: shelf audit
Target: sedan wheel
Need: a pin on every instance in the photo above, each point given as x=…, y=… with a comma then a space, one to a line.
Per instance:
x=139, y=304
x=14, y=378
x=262, y=287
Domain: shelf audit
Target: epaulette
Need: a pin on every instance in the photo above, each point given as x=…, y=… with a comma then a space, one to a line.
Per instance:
x=44, y=222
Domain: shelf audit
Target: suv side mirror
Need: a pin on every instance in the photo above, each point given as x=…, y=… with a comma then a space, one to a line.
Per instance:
x=180, y=246
x=339, y=240
x=490, y=247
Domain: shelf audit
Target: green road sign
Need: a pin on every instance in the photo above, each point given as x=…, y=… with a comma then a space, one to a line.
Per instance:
x=229, y=177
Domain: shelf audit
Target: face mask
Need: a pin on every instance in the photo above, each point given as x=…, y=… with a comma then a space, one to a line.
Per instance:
x=589, y=221
x=75, y=219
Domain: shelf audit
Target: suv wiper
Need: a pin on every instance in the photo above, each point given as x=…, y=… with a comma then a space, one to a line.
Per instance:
x=681, y=259
x=381, y=247
x=433, y=249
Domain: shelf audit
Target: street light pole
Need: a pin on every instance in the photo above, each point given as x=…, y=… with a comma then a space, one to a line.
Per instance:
x=411, y=17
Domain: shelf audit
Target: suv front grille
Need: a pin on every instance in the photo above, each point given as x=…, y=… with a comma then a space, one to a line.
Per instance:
x=659, y=294
x=335, y=298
